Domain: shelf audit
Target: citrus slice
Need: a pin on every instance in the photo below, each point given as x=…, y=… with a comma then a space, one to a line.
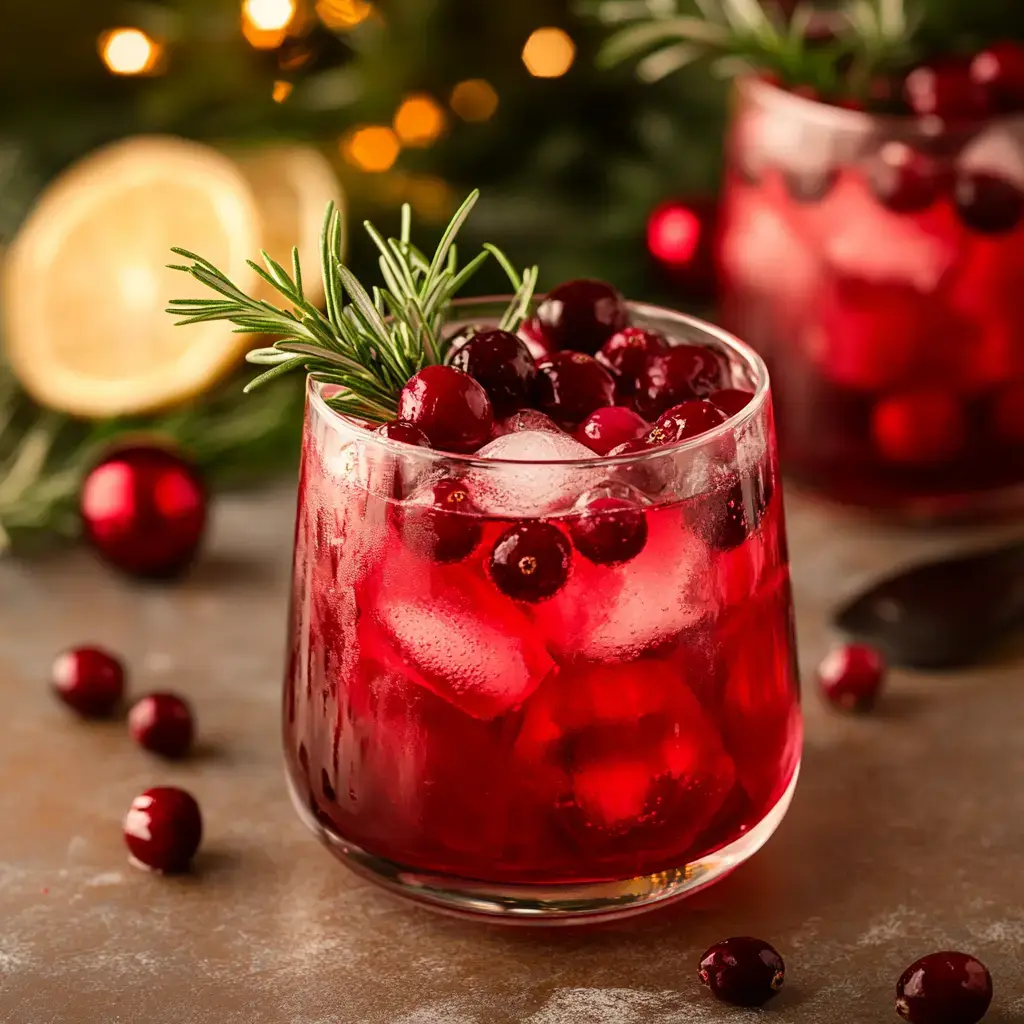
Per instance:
x=292, y=185
x=86, y=283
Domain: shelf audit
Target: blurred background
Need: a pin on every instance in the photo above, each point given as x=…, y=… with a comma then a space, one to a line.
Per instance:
x=402, y=101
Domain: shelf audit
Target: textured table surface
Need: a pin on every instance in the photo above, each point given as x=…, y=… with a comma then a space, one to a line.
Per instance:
x=906, y=834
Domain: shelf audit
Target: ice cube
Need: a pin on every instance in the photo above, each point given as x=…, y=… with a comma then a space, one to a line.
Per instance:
x=535, y=489
x=998, y=151
x=616, y=613
x=862, y=239
x=526, y=419
x=448, y=629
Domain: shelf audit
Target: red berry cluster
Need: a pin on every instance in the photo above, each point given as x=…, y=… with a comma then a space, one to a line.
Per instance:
x=942, y=988
x=954, y=94
x=163, y=827
x=576, y=366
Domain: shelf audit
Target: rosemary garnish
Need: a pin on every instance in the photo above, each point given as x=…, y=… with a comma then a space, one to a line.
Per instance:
x=369, y=345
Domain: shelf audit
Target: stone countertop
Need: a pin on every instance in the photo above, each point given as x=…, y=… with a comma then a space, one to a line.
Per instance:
x=906, y=834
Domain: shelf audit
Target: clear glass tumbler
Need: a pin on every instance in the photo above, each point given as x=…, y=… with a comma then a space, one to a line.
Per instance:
x=630, y=738
x=877, y=264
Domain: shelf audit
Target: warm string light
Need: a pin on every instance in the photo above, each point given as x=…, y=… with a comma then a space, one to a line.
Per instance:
x=419, y=121
x=129, y=51
x=373, y=148
x=474, y=100
x=549, y=53
x=341, y=15
x=282, y=90
x=265, y=22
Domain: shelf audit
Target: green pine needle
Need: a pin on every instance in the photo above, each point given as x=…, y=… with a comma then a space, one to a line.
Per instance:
x=369, y=343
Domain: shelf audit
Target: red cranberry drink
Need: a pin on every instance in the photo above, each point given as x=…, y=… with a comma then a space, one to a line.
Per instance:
x=541, y=655
x=877, y=264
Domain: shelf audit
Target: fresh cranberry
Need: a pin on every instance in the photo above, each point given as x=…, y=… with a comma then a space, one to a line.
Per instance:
x=923, y=427
x=946, y=89
x=904, y=179
x=162, y=723
x=537, y=342
x=729, y=517
x=609, y=531
x=688, y=419
x=999, y=70
x=451, y=408
x=163, y=828
x=625, y=353
x=944, y=988
x=442, y=523
x=571, y=385
x=851, y=676
x=987, y=203
x=582, y=315
x=742, y=971
x=531, y=561
x=90, y=680
x=668, y=378
x=526, y=419
x=731, y=400
x=406, y=433
x=502, y=364
x=610, y=426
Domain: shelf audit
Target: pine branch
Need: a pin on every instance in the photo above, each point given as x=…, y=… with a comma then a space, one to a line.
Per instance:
x=371, y=344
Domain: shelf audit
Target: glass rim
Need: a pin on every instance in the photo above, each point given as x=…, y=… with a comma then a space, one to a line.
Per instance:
x=729, y=341
x=828, y=115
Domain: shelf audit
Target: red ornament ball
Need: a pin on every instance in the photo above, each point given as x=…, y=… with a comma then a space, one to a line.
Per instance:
x=680, y=239
x=143, y=510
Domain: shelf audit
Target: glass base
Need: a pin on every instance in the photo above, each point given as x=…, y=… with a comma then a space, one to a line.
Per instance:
x=557, y=904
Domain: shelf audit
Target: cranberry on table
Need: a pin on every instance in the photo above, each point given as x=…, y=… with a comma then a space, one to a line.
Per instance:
x=163, y=829
x=502, y=364
x=999, y=70
x=609, y=531
x=743, y=971
x=442, y=523
x=921, y=427
x=946, y=89
x=851, y=677
x=944, y=988
x=90, y=680
x=904, y=179
x=451, y=408
x=730, y=400
x=143, y=510
x=581, y=314
x=625, y=353
x=406, y=433
x=987, y=203
x=610, y=426
x=668, y=378
x=571, y=385
x=531, y=561
x=162, y=723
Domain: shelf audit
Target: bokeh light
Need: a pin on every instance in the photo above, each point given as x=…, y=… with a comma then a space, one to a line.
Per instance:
x=419, y=120
x=268, y=15
x=673, y=234
x=282, y=90
x=474, y=100
x=549, y=53
x=129, y=51
x=373, y=148
x=340, y=15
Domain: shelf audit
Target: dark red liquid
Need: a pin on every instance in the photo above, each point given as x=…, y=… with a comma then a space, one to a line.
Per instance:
x=645, y=715
x=889, y=313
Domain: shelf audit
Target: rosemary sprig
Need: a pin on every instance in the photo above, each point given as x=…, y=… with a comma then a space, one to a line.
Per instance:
x=740, y=36
x=371, y=344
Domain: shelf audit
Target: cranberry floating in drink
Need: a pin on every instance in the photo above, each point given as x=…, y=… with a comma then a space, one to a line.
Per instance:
x=551, y=674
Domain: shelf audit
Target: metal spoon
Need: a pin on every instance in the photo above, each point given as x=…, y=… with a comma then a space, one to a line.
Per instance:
x=943, y=614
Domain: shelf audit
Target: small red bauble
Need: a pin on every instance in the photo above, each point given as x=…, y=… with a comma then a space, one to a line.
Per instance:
x=162, y=723
x=680, y=239
x=143, y=510
x=163, y=828
x=90, y=680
